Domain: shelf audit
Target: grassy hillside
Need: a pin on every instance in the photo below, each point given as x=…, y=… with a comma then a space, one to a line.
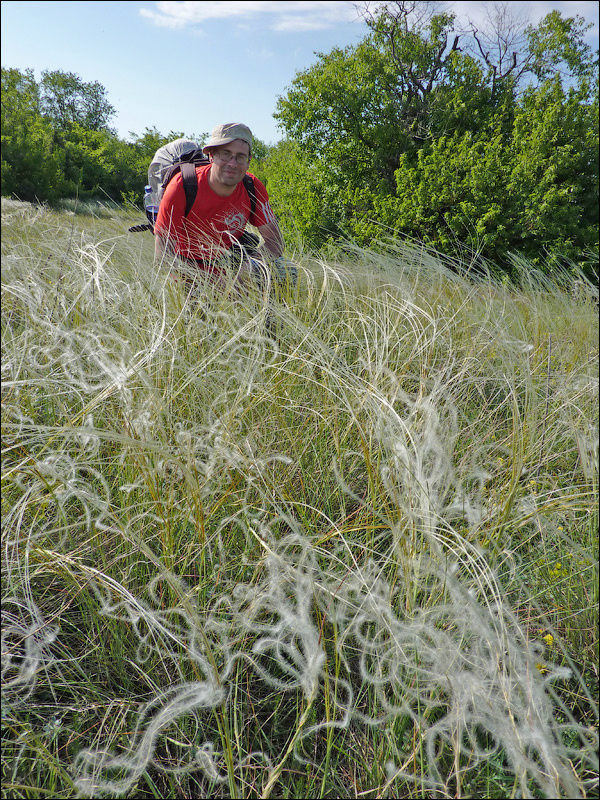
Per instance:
x=358, y=561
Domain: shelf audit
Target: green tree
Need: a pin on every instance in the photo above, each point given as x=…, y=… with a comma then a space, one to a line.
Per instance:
x=31, y=164
x=88, y=159
x=56, y=140
x=147, y=143
x=489, y=149
x=534, y=191
x=557, y=47
x=359, y=112
x=68, y=100
x=554, y=170
x=360, y=108
x=260, y=150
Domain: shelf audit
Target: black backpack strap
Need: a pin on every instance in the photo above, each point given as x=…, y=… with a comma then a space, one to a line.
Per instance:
x=248, y=182
x=190, y=185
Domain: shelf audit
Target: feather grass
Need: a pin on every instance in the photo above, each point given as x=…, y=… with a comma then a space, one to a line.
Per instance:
x=358, y=558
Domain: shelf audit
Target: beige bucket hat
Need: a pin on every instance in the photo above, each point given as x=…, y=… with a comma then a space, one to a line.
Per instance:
x=227, y=133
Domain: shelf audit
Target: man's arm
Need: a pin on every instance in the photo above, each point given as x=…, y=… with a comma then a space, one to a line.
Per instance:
x=273, y=237
x=286, y=272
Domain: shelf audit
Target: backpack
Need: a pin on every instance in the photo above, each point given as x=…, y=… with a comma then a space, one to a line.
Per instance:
x=180, y=155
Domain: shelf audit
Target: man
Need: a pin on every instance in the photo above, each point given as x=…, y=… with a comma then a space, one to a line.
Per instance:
x=215, y=224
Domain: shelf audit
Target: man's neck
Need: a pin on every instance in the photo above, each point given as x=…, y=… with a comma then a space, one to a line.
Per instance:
x=222, y=189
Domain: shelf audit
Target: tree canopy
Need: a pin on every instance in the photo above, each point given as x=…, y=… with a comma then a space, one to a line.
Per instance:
x=67, y=100
x=57, y=140
x=489, y=139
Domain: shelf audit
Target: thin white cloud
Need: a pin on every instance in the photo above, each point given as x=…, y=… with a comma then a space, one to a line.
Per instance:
x=322, y=15
x=529, y=11
x=291, y=16
x=287, y=16
x=262, y=54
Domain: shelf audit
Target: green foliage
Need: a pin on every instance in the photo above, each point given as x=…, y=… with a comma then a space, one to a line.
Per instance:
x=31, y=163
x=557, y=45
x=554, y=170
x=56, y=141
x=147, y=143
x=67, y=101
x=259, y=149
x=532, y=191
x=336, y=113
x=297, y=190
x=409, y=131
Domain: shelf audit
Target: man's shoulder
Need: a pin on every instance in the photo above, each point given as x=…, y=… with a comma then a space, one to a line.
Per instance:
x=177, y=176
x=202, y=171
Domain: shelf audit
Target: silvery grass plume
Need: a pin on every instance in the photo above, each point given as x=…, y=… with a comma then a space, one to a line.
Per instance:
x=228, y=556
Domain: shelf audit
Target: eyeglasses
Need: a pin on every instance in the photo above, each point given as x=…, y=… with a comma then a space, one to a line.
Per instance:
x=225, y=156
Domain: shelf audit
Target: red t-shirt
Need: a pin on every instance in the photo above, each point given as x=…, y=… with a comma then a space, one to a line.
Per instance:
x=213, y=220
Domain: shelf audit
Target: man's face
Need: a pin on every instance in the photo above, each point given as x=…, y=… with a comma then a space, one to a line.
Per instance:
x=230, y=162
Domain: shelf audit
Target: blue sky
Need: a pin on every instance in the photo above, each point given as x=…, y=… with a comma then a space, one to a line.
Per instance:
x=187, y=66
